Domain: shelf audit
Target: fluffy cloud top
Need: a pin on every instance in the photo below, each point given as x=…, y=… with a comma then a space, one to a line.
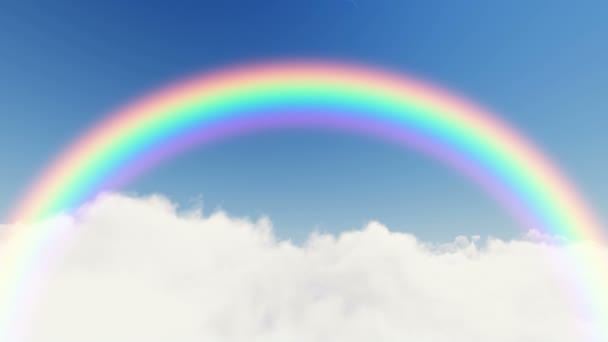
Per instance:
x=141, y=271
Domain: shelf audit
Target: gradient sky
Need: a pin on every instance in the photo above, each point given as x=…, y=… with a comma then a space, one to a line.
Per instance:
x=540, y=65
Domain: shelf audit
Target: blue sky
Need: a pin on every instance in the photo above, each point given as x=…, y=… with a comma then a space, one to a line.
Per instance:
x=541, y=65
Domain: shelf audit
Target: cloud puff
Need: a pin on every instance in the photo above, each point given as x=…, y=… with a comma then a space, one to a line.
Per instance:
x=140, y=270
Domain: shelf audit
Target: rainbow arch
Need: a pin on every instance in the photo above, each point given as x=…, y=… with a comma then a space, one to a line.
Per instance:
x=277, y=95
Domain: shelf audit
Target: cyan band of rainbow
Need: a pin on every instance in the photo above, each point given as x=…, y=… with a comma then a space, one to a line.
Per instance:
x=309, y=94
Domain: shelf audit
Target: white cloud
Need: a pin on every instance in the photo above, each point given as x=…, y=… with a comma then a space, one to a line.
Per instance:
x=142, y=271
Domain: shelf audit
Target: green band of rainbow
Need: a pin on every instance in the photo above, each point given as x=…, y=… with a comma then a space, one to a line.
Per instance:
x=340, y=95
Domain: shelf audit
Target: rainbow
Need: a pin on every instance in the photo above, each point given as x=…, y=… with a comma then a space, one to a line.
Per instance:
x=279, y=95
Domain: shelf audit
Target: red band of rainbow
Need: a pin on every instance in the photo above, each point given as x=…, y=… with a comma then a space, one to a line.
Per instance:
x=307, y=94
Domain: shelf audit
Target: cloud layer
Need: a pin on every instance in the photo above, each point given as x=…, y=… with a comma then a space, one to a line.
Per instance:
x=142, y=271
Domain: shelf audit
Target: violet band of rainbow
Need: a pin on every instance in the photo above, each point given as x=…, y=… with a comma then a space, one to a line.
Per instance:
x=280, y=119
x=334, y=95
